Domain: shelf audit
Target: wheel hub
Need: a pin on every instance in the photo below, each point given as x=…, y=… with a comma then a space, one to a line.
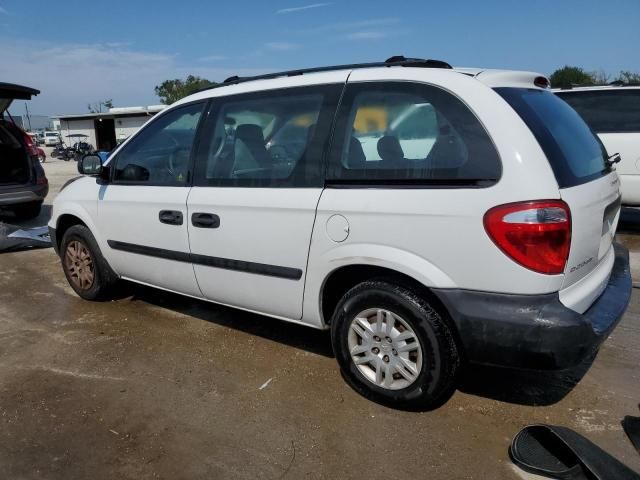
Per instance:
x=385, y=349
x=79, y=265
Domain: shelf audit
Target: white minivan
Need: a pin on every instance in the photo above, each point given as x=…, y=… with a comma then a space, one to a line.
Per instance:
x=428, y=216
x=613, y=112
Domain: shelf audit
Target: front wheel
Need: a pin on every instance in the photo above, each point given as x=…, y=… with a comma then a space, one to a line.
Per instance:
x=393, y=347
x=84, y=266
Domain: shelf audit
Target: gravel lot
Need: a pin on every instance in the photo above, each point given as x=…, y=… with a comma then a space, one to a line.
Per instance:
x=154, y=385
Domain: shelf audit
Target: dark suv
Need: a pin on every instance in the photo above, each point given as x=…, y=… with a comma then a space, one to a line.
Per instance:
x=23, y=184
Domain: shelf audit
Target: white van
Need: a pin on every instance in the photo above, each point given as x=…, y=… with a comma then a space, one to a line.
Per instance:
x=479, y=229
x=613, y=112
x=51, y=139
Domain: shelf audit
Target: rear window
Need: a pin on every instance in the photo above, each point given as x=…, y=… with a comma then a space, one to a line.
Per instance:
x=607, y=111
x=575, y=153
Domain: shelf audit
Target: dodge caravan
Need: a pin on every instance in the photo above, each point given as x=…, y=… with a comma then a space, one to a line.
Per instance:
x=428, y=216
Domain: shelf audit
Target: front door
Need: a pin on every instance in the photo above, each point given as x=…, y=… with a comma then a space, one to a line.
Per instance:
x=259, y=176
x=143, y=210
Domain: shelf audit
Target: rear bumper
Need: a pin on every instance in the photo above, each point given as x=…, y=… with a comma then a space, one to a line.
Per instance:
x=537, y=331
x=22, y=194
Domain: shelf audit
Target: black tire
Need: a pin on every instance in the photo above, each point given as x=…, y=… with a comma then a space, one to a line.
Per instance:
x=436, y=380
x=27, y=211
x=104, y=279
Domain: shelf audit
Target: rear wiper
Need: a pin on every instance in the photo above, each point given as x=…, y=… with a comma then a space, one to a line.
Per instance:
x=613, y=159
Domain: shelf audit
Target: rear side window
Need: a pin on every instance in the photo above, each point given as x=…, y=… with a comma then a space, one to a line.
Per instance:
x=574, y=152
x=267, y=139
x=607, y=111
x=400, y=132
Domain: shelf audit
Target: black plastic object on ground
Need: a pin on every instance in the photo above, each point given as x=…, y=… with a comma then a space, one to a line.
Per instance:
x=559, y=452
x=13, y=238
x=631, y=427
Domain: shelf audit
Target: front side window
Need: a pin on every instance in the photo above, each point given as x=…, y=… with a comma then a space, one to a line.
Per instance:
x=273, y=138
x=607, y=111
x=407, y=132
x=160, y=154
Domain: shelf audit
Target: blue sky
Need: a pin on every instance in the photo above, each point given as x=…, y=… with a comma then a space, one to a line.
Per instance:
x=85, y=51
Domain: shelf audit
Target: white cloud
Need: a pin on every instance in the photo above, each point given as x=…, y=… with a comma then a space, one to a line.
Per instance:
x=301, y=8
x=366, y=35
x=70, y=76
x=282, y=46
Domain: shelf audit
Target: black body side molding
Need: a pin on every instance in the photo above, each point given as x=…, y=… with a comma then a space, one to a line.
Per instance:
x=216, y=262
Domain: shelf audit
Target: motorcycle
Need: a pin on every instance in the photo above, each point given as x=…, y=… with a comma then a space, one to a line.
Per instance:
x=59, y=151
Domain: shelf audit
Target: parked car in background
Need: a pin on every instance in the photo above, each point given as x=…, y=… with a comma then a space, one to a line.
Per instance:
x=51, y=139
x=23, y=183
x=426, y=215
x=613, y=112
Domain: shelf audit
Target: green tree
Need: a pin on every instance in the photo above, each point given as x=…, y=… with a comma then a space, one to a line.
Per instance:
x=171, y=91
x=568, y=76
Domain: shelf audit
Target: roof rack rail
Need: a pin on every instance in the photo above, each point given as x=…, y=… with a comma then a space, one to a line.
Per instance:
x=622, y=83
x=395, y=61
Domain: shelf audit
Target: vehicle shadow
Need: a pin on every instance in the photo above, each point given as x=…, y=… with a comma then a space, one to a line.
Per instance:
x=42, y=219
x=522, y=387
x=298, y=336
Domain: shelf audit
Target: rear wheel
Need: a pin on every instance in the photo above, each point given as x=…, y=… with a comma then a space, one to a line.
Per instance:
x=84, y=266
x=394, y=347
x=27, y=211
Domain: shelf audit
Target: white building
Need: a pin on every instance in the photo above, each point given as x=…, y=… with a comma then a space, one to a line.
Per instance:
x=104, y=130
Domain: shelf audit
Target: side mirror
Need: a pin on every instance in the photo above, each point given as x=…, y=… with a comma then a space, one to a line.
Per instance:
x=90, y=165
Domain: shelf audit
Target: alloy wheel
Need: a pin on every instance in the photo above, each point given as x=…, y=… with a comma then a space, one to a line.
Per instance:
x=79, y=265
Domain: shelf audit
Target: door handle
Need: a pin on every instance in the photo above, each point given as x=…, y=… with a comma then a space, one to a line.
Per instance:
x=205, y=220
x=170, y=217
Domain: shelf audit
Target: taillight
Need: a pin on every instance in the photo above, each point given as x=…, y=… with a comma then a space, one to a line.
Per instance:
x=535, y=234
x=32, y=150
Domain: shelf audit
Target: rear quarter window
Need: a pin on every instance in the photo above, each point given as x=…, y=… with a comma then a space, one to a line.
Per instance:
x=607, y=111
x=574, y=152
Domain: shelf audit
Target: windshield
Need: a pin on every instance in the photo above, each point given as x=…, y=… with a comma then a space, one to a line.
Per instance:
x=573, y=150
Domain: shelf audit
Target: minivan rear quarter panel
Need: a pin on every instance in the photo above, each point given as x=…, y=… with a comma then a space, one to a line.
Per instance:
x=436, y=234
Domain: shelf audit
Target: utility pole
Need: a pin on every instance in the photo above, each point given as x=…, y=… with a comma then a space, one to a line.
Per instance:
x=26, y=107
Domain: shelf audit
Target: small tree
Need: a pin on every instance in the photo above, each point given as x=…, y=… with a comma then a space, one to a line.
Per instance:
x=567, y=76
x=600, y=77
x=97, y=107
x=171, y=91
x=628, y=77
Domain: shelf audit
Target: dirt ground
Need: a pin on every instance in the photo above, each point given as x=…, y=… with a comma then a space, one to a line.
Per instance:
x=154, y=385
